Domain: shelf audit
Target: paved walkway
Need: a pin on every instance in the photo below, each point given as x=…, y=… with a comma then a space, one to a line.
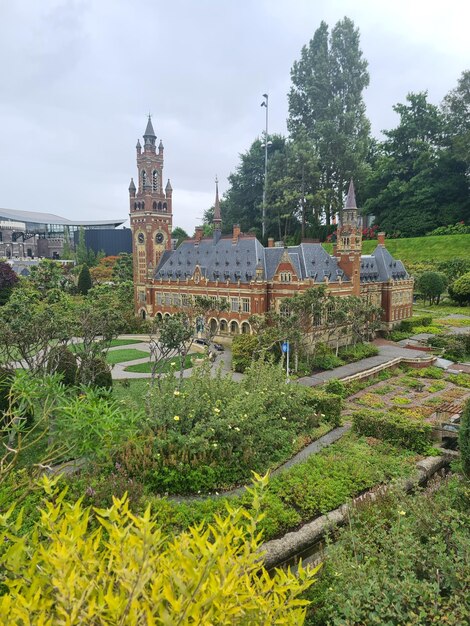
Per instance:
x=388, y=353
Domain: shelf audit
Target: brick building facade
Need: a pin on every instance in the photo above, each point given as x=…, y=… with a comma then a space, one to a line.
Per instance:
x=252, y=278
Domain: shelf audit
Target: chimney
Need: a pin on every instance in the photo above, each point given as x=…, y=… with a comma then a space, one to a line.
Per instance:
x=236, y=233
x=198, y=233
x=381, y=239
x=270, y=242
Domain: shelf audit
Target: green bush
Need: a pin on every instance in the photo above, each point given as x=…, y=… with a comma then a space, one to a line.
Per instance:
x=95, y=372
x=243, y=352
x=461, y=380
x=407, y=326
x=464, y=439
x=63, y=361
x=350, y=354
x=324, y=358
x=335, y=386
x=326, y=404
x=427, y=372
x=413, y=434
x=460, y=289
x=402, y=560
x=455, y=347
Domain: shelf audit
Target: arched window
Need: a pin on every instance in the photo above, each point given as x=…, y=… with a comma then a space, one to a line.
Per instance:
x=234, y=328
x=154, y=181
x=144, y=179
x=159, y=206
x=223, y=326
x=164, y=206
x=154, y=206
x=143, y=206
x=246, y=328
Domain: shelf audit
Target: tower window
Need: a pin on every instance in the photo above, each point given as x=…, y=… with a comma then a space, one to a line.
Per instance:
x=164, y=206
x=154, y=206
x=144, y=179
x=154, y=181
x=159, y=206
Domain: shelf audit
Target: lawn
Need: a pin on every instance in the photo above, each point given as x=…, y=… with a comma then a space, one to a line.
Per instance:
x=417, y=249
x=121, y=356
x=146, y=368
x=440, y=310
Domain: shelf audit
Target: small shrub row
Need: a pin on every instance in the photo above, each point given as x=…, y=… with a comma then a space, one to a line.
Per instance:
x=395, y=428
x=412, y=323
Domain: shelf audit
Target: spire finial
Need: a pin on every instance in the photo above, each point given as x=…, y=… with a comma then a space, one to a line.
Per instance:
x=217, y=215
x=351, y=197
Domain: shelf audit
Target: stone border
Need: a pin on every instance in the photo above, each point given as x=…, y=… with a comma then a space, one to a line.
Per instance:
x=277, y=551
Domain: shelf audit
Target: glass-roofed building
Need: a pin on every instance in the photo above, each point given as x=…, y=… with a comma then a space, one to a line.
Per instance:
x=33, y=234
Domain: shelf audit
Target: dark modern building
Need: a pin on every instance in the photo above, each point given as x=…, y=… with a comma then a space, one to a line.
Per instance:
x=30, y=234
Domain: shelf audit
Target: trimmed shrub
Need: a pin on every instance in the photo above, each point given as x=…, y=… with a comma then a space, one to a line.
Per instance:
x=325, y=359
x=407, y=326
x=95, y=372
x=243, y=352
x=335, y=386
x=464, y=439
x=350, y=354
x=413, y=434
x=63, y=361
x=327, y=404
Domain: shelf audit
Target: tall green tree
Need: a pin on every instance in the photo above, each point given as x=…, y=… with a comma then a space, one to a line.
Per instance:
x=8, y=279
x=416, y=184
x=326, y=103
x=456, y=108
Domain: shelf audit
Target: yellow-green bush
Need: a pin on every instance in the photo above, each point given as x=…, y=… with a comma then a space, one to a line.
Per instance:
x=124, y=570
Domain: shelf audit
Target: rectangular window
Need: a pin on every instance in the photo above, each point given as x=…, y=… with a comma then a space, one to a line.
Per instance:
x=168, y=299
x=159, y=298
x=186, y=300
x=141, y=296
x=234, y=305
x=246, y=305
x=176, y=299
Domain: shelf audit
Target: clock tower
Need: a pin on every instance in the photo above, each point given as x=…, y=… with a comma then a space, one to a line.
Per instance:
x=150, y=217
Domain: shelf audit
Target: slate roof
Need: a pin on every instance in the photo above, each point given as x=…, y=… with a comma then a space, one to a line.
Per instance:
x=387, y=266
x=224, y=260
x=49, y=218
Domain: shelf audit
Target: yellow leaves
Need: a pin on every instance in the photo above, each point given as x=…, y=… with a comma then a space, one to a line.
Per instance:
x=127, y=572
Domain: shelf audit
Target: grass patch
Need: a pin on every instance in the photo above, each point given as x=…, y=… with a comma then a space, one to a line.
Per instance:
x=415, y=249
x=146, y=368
x=121, y=356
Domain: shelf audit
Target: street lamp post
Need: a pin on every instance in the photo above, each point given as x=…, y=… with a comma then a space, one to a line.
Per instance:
x=263, y=223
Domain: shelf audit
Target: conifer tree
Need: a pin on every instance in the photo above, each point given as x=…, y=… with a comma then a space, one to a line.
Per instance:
x=84, y=280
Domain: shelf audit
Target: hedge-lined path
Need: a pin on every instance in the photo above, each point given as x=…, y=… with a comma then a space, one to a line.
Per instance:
x=313, y=448
x=389, y=353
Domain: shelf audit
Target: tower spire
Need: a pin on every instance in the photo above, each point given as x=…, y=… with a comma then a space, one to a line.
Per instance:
x=351, y=197
x=217, y=216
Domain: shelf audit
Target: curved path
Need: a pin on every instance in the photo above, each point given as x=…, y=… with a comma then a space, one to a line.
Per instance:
x=313, y=448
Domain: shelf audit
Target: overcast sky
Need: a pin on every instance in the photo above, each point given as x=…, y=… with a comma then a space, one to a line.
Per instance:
x=78, y=78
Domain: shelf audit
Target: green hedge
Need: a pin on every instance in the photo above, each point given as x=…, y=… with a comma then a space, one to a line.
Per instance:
x=408, y=325
x=397, y=429
x=327, y=404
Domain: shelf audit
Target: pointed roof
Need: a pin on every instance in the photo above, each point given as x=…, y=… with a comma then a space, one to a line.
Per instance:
x=160, y=145
x=132, y=185
x=351, y=198
x=149, y=132
x=217, y=216
x=168, y=186
x=138, y=146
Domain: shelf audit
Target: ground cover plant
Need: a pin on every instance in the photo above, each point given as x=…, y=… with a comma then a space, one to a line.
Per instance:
x=398, y=429
x=403, y=560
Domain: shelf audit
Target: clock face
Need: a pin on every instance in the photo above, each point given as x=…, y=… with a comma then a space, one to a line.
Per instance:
x=159, y=238
x=141, y=237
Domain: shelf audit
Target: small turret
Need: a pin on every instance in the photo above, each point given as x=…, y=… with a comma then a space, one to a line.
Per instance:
x=132, y=188
x=160, y=147
x=138, y=147
x=168, y=189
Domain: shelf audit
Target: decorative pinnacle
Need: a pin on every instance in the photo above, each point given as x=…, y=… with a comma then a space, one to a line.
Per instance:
x=351, y=198
x=217, y=215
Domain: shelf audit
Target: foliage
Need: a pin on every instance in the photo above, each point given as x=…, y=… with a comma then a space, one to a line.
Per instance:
x=326, y=107
x=325, y=359
x=451, y=229
x=84, y=255
x=411, y=323
x=335, y=386
x=94, y=371
x=127, y=571
x=123, y=269
x=48, y=275
x=244, y=351
x=104, y=270
x=84, y=281
x=461, y=380
x=169, y=365
x=401, y=560
x=455, y=347
x=464, y=439
x=179, y=234
x=417, y=183
x=431, y=285
x=460, y=289
x=454, y=268
x=360, y=351
x=117, y=302
x=210, y=433
x=64, y=362
x=395, y=428
x=8, y=280
x=427, y=372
